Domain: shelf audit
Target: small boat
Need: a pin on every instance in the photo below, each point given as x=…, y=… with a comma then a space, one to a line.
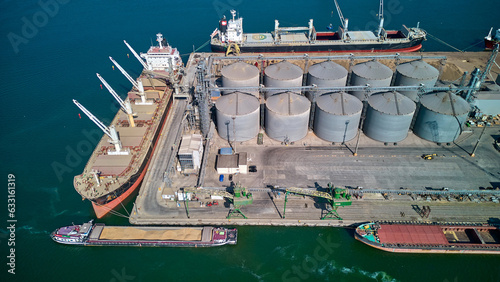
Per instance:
x=90, y=234
x=489, y=41
x=430, y=238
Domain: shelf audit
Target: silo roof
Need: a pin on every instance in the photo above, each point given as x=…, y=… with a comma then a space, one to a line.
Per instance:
x=445, y=103
x=372, y=70
x=328, y=70
x=283, y=71
x=339, y=103
x=392, y=103
x=240, y=71
x=418, y=69
x=237, y=104
x=288, y=103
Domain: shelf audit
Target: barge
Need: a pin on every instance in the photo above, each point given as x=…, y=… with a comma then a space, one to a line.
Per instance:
x=230, y=35
x=430, y=238
x=98, y=234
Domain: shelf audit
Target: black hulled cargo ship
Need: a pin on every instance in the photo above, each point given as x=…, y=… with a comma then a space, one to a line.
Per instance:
x=307, y=39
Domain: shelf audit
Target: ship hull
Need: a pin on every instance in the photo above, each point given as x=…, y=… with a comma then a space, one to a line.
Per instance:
x=490, y=44
x=425, y=247
x=90, y=234
x=410, y=46
x=101, y=209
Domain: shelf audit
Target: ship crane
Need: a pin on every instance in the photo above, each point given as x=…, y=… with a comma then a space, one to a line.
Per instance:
x=110, y=131
x=345, y=22
x=137, y=56
x=137, y=84
x=381, y=17
x=126, y=107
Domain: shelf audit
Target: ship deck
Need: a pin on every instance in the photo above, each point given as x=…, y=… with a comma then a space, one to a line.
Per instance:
x=114, y=170
x=150, y=233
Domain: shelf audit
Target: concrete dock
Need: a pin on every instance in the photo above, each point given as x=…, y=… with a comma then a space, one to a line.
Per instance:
x=313, y=163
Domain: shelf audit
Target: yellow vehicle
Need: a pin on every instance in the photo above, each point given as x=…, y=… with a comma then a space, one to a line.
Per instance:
x=429, y=156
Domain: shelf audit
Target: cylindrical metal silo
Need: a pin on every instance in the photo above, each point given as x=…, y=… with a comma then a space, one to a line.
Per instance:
x=283, y=74
x=415, y=73
x=238, y=116
x=287, y=116
x=441, y=117
x=337, y=117
x=240, y=74
x=325, y=74
x=371, y=72
x=388, y=116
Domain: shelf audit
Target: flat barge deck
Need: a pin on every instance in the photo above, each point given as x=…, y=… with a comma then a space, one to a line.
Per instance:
x=89, y=234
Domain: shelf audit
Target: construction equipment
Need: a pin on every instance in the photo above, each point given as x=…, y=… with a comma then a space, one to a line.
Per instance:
x=336, y=197
x=429, y=156
x=233, y=49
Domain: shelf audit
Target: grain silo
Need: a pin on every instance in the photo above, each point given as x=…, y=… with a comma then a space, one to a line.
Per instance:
x=283, y=74
x=337, y=116
x=388, y=116
x=237, y=116
x=413, y=74
x=240, y=74
x=441, y=117
x=373, y=73
x=287, y=116
x=325, y=74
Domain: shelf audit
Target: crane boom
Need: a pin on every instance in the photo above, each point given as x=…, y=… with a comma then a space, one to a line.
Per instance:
x=93, y=118
x=125, y=107
x=110, y=131
x=344, y=22
x=136, y=85
x=136, y=55
x=381, y=17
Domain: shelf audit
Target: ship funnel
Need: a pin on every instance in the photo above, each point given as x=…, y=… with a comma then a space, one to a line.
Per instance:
x=159, y=38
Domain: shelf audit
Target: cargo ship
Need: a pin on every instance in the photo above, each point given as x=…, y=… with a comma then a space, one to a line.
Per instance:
x=229, y=35
x=121, y=158
x=489, y=41
x=430, y=238
x=90, y=234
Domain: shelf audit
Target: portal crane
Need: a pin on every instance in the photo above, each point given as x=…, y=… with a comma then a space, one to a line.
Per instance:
x=137, y=56
x=240, y=197
x=336, y=197
x=126, y=107
x=137, y=84
x=110, y=131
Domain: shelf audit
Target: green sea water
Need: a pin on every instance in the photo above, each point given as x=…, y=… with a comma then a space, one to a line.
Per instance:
x=50, y=52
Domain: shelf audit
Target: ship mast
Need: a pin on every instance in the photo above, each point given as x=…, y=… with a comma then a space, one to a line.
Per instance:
x=345, y=22
x=126, y=107
x=381, y=17
x=136, y=55
x=137, y=84
x=110, y=131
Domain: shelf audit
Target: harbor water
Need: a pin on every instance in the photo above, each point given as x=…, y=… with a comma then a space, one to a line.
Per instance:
x=51, y=50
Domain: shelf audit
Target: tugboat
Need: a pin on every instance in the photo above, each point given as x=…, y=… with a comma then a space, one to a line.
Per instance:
x=490, y=42
x=90, y=234
x=307, y=39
